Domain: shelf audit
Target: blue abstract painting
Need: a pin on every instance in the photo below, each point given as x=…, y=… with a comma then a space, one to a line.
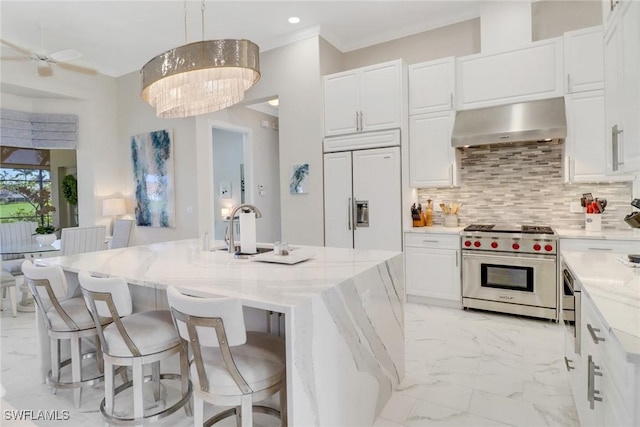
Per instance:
x=299, y=181
x=152, y=159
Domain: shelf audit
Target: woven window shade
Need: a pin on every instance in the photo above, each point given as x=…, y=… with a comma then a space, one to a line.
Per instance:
x=38, y=130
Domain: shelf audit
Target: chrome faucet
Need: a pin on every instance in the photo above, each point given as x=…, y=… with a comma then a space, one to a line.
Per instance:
x=244, y=206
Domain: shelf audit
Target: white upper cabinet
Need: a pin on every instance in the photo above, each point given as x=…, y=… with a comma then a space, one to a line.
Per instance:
x=585, y=149
x=584, y=60
x=364, y=99
x=432, y=160
x=517, y=75
x=432, y=86
x=622, y=89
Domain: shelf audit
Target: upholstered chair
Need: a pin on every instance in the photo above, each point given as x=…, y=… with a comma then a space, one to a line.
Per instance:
x=134, y=340
x=122, y=230
x=229, y=366
x=77, y=240
x=66, y=319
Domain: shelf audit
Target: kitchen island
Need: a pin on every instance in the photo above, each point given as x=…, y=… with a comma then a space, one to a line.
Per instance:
x=343, y=313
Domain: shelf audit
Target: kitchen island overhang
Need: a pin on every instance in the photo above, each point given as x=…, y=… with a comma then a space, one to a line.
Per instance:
x=343, y=314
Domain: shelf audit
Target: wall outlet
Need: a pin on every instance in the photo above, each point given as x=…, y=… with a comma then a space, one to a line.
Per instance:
x=575, y=207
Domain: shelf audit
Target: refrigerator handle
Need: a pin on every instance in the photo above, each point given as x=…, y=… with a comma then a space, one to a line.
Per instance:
x=354, y=213
x=349, y=214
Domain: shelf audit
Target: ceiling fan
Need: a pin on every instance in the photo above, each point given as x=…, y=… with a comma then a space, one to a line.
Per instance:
x=60, y=58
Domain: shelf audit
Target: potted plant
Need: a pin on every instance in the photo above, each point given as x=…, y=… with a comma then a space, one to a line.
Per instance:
x=40, y=199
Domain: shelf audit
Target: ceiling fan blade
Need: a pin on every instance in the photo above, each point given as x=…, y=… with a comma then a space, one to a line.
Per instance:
x=44, y=69
x=77, y=68
x=14, y=58
x=65, y=55
x=15, y=47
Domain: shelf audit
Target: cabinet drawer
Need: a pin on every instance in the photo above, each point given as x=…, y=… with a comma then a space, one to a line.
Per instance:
x=437, y=241
x=618, y=246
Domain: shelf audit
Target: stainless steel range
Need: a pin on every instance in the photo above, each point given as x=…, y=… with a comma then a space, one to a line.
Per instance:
x=510, y=269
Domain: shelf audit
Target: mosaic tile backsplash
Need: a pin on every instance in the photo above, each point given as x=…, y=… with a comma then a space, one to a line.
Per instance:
x=523, y=184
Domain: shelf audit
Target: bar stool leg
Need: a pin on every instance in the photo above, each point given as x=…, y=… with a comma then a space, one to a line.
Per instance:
x=138, y=380
x=76, y=368
x=155, y=379
x=108, y=388
x=55, y=361
x=246, y=410
x=12, y=299
x=184, y=376
x=198, y=411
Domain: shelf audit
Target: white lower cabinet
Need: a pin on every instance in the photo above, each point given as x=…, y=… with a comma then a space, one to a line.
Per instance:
x=432, y=266
x=605, y=386
x=600, y=245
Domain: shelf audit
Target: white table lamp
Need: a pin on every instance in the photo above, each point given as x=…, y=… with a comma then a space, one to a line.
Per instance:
x=113, y=208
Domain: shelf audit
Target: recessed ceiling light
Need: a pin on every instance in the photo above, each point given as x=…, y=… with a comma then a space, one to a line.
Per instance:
x=294, y=20
x=273, y=102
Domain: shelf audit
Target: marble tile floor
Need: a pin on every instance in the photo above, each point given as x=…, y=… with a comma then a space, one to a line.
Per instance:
x=463, y=368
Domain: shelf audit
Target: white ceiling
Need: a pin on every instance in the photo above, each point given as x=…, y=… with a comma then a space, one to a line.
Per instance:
x=118, y=37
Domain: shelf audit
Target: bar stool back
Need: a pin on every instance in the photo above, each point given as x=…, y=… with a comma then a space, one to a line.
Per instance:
x=134, y=339
x=66, y=319
x=230, y=366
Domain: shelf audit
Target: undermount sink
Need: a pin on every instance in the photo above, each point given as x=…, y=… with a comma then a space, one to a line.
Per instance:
x=260, y=250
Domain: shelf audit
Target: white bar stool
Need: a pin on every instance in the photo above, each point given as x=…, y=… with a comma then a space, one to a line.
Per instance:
x=134, y=339
x=66, y=319
x=230, y=366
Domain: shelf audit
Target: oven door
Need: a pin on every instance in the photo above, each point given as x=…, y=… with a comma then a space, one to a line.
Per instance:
x=515, y=278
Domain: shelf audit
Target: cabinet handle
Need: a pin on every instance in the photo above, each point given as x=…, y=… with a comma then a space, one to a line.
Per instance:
x=456, y=258
x=354, y=209
x=451, y=174
x=569, y=83
x=451, y=101
x=361, y=126
x=592, y=332
x=599, y=249
x=615, y=148
x=349, y=215
x=566, y=362
x=592, y=372
x=357, y=121
x=431, y=241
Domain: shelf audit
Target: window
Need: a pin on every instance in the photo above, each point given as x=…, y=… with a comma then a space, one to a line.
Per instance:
x=24, y=176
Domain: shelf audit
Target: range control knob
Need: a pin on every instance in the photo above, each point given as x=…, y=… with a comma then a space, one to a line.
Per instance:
x=515, y=246
x=537, y=247
x=494, y=245
x=467, y=243
x=548, y=248
x=476, y=244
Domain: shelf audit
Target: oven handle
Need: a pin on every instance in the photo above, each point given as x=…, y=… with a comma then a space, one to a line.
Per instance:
x=543, y=258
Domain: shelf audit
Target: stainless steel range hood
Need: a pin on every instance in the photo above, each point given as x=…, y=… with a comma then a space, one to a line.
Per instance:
x=525, y=121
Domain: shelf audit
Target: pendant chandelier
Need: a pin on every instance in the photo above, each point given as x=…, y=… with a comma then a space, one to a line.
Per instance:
x=201, y=77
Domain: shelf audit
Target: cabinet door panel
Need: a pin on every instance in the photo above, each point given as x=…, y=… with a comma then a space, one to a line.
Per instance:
x=341, y=103
x=526, y=74
x=376, y=179
x=630, y=21
x=584, y=60
x=431, y=86
x=585, y=143
x=433, y=273
x=380, y=96
x=338, y=225
x=431, y=157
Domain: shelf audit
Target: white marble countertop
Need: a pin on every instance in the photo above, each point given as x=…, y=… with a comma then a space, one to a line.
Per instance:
x=630, y=234
x=614, y=289
x=435, y=229
x=262, y=285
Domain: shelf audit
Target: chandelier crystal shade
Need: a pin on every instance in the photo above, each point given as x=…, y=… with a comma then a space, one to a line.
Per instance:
x=201, y=77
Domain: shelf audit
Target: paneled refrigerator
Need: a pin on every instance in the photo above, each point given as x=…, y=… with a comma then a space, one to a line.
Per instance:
x=362, y=199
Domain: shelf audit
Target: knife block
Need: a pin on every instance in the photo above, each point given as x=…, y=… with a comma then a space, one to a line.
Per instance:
x=592, y=222
x=420, y=222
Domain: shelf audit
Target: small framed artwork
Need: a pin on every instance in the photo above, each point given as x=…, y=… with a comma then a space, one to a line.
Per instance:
x=225, y=190
x=299, y=182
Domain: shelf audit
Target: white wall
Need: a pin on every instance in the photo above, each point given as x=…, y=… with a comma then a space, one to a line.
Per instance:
x=135, y=117
x=292, y=74
x=228, y=154
x=92, y=99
